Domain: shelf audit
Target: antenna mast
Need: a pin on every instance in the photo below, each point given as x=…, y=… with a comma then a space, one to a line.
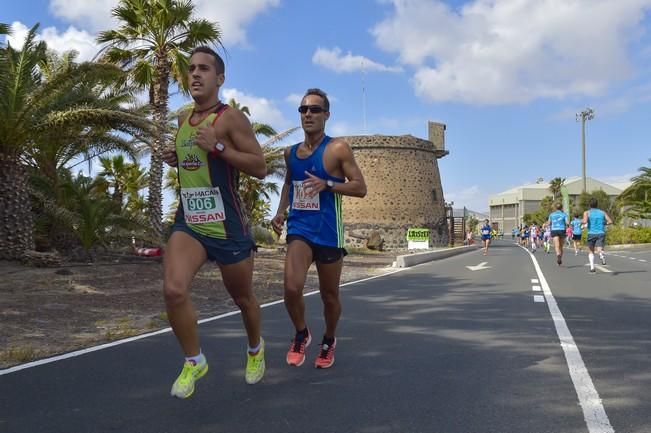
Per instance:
x=364, y=96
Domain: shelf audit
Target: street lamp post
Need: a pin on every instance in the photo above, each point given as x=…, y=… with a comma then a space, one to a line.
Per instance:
x=587, y=114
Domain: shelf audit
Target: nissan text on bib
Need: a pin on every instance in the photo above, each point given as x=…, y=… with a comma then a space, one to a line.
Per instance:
x=302, y=201
x=202, y=205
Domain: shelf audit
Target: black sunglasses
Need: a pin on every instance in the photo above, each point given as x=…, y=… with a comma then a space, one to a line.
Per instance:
x=314, y=109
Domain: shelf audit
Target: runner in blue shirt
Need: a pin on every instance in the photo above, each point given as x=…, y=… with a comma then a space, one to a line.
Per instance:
x=486, y=236
x=320, y=171
x=558, y=221
x=596, y=221
x=576, y=232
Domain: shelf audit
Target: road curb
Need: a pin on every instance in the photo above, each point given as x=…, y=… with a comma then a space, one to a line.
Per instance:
x=408, y=260
x=626, y=246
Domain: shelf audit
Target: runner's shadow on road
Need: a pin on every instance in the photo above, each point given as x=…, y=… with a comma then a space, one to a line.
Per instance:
x=629, y=272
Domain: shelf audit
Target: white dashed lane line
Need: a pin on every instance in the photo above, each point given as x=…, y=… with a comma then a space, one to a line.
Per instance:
x=594, y=413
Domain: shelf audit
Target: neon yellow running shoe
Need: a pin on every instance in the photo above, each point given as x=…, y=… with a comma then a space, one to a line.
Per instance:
x=183, y=386
x=255, y=365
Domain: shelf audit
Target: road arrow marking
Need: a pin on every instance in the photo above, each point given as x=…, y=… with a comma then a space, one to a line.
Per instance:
x=479, y=267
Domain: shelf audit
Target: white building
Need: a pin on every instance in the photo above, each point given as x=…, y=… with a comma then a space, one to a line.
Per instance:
x=507, y=208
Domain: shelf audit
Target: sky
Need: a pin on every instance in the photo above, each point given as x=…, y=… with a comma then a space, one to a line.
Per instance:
x=507, y=77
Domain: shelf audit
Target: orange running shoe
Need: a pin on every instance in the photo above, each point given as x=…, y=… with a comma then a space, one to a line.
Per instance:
x=326, y=356
x=296, y=353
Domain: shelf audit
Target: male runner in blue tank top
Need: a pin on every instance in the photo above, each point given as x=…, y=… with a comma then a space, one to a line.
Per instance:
x=596, y=221
x=486, y=236
x=320, y=170
x=213, y=145
x=558, y=221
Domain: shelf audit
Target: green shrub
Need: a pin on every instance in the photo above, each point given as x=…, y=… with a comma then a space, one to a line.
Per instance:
x=262, y=236
x=628, y=235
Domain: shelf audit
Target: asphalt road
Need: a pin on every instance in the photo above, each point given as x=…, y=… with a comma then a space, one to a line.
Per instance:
x=434, y=348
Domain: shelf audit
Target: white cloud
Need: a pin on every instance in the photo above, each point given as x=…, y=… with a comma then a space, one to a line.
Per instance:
x=334, y=60
x=512, y=51
x=295, y=98
x=92, y=15
x=71, y=39
x=338, y=129
x=262, y=109
x=232, y=15
x=470, y=197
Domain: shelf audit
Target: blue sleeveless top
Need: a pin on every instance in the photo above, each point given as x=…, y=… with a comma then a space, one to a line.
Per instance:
x=596, y=222
x=317, y=219
x=558, y=219
x=576, y=226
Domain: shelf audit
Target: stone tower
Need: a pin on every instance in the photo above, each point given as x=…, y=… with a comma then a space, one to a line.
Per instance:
x=404, y=188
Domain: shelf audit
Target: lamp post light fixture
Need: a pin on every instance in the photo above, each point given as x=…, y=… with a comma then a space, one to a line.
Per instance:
x=587, y=114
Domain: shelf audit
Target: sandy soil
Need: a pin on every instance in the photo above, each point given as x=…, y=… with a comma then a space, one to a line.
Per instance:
x=47, y=311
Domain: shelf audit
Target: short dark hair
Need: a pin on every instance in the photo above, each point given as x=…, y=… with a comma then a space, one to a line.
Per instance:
x=593, y=202
x=219, y=63
x=558, y=205
x=322, y=94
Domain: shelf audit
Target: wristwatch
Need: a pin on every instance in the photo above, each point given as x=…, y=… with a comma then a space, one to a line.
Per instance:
x=219, y=147
x=330, y=184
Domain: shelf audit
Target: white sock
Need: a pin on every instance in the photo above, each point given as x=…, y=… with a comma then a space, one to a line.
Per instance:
x=256, y=349
x=197, y=359
x=601, y=255
x=591, y=258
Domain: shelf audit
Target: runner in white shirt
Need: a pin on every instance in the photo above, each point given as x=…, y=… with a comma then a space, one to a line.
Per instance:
x=533, y=237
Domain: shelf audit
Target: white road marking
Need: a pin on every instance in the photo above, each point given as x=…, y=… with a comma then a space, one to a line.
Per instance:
x=594, y=413
x=603, y=269
x=534, y=280
x=538, y=298
x=479, y=267
x=161, y=331
x=632, y=258
x=642, y=260
x=536, y=288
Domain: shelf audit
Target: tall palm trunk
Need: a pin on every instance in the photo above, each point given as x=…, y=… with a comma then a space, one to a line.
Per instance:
x=160, y=97
x=16, y=223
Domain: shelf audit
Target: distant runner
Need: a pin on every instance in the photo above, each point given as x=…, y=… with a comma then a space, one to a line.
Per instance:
x=558, y=221
x=596, y=221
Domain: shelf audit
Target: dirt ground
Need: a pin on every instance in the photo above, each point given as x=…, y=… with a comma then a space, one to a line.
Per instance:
x=47, y=311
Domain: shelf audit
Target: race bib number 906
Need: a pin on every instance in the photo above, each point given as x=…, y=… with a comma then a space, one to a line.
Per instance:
x=202, y=205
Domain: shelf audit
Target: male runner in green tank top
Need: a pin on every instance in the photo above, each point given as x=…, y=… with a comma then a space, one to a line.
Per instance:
x=213, y=144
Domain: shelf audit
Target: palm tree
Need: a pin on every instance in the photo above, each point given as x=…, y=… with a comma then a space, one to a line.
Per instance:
x=4, y=29
x=126, y=179
x=555, y=186
x=637, y=197
x=97, y=88
x=256, y=193
x=18, y=78
x=153, y=43
x=37, y=111
x=93, y=217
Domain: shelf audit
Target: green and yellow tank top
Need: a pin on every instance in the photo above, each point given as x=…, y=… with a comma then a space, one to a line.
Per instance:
x=209, y=202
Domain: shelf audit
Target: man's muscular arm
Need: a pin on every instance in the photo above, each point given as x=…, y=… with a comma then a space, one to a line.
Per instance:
x=279, y=219
x=354, y=186
x=241, y=148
